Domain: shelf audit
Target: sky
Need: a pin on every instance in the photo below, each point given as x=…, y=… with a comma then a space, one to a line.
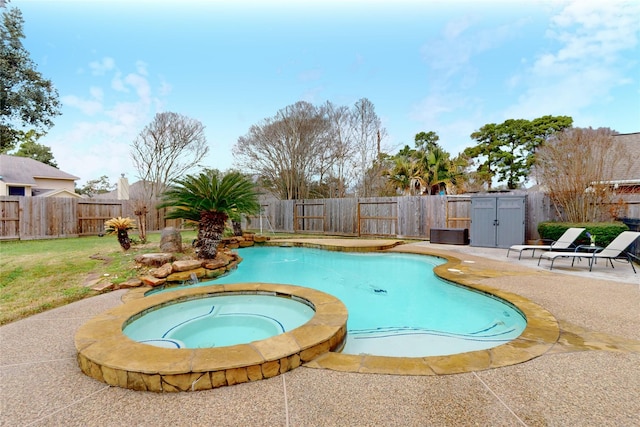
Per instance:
x=444, y=66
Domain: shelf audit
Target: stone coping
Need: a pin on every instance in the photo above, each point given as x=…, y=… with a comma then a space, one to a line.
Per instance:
x=540, y=334
x=106, y=354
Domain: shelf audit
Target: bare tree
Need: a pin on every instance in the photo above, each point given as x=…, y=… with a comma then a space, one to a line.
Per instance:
x=341, y=150
x=576, y=166
x=286, y=151
x=368, y=135
x=166, y=149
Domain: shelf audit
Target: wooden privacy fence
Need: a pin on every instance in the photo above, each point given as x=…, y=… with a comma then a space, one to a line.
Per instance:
x=407, y=216
x=28, y=218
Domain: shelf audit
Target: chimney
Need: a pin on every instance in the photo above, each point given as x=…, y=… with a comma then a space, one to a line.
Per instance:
x=123, y=188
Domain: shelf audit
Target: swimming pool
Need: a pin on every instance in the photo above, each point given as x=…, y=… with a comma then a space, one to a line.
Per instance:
x=397, y=306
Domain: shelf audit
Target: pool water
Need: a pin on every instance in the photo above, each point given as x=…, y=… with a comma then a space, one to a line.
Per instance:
x=397, y=305
x=218, y=321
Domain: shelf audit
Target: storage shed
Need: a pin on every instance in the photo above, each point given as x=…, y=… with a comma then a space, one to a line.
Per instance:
x=497, y=221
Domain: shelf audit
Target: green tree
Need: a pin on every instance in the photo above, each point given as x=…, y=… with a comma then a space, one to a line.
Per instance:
x=30, y=148
x=96, y=186
x=403, y=170
x=427, y=165
x=506, y=151
x=209, y=200
x=26, y=97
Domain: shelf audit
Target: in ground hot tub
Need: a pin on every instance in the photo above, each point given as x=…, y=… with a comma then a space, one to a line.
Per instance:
x=219, y=320
x=169, y=363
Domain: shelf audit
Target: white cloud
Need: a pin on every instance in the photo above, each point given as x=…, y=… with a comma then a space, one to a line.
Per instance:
x=140, y=85
x=589, y=61
x=88, y=107
x=165, y=88
x=460, y=42
x=99, y=68
x=102, y=146
x=453, y=78
x=118, y=84
x=96, y=93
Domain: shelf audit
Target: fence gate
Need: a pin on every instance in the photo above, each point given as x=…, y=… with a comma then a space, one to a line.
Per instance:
x=309, y=217
x=10, y=218
x=497, y=221
x=378, y=218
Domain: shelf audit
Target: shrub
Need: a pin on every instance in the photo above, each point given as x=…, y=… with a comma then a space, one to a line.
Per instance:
x=604, y=232
x=120, y=226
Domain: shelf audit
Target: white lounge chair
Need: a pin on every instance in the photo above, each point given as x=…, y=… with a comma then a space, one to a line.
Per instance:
x=614, y=250
x=564, y=242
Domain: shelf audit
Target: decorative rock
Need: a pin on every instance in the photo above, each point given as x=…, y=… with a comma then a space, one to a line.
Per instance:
x=104, y=286
x=162, y=272
x=260, y=239
x=171, y=240
x=152, y=281
x=185, y=265
x=215, y=264
x=183, y=276
x=131, y=283
x=154, y=260
x=245, y=243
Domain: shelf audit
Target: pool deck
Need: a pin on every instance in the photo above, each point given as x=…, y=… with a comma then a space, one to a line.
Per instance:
x=590, y=376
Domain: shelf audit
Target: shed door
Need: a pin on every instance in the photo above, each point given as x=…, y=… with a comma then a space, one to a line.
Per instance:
x=483, y=221
x=510, y=221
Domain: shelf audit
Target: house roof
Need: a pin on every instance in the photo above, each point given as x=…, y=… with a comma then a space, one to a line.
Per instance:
x=55, y=193
x=136, y=191
x=629, y=166
x=23, y=171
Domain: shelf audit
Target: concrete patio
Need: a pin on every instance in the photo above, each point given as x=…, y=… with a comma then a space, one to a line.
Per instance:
x=591, y=376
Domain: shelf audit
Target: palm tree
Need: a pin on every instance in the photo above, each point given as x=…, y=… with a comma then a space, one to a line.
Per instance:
x=209, y=200
x=120, y=226
x=437, y=169
x=402, y=172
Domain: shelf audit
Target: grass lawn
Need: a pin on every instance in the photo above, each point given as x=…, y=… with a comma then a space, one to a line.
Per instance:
x=37, y=275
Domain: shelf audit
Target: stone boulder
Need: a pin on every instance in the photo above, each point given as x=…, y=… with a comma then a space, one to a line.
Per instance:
x=154, y=260
x=152, y=281
x=171, y=240
x=186, y=265
x=161, y=272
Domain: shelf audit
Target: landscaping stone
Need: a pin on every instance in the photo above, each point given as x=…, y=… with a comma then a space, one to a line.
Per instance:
x=154, y=260
x=186, y=265
x=131, y=283
x=152, y=281
x=215, y=264
x=162, y=272
x=183, y=270
x=171, y=240
x=104, y=286
x=183, y=276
